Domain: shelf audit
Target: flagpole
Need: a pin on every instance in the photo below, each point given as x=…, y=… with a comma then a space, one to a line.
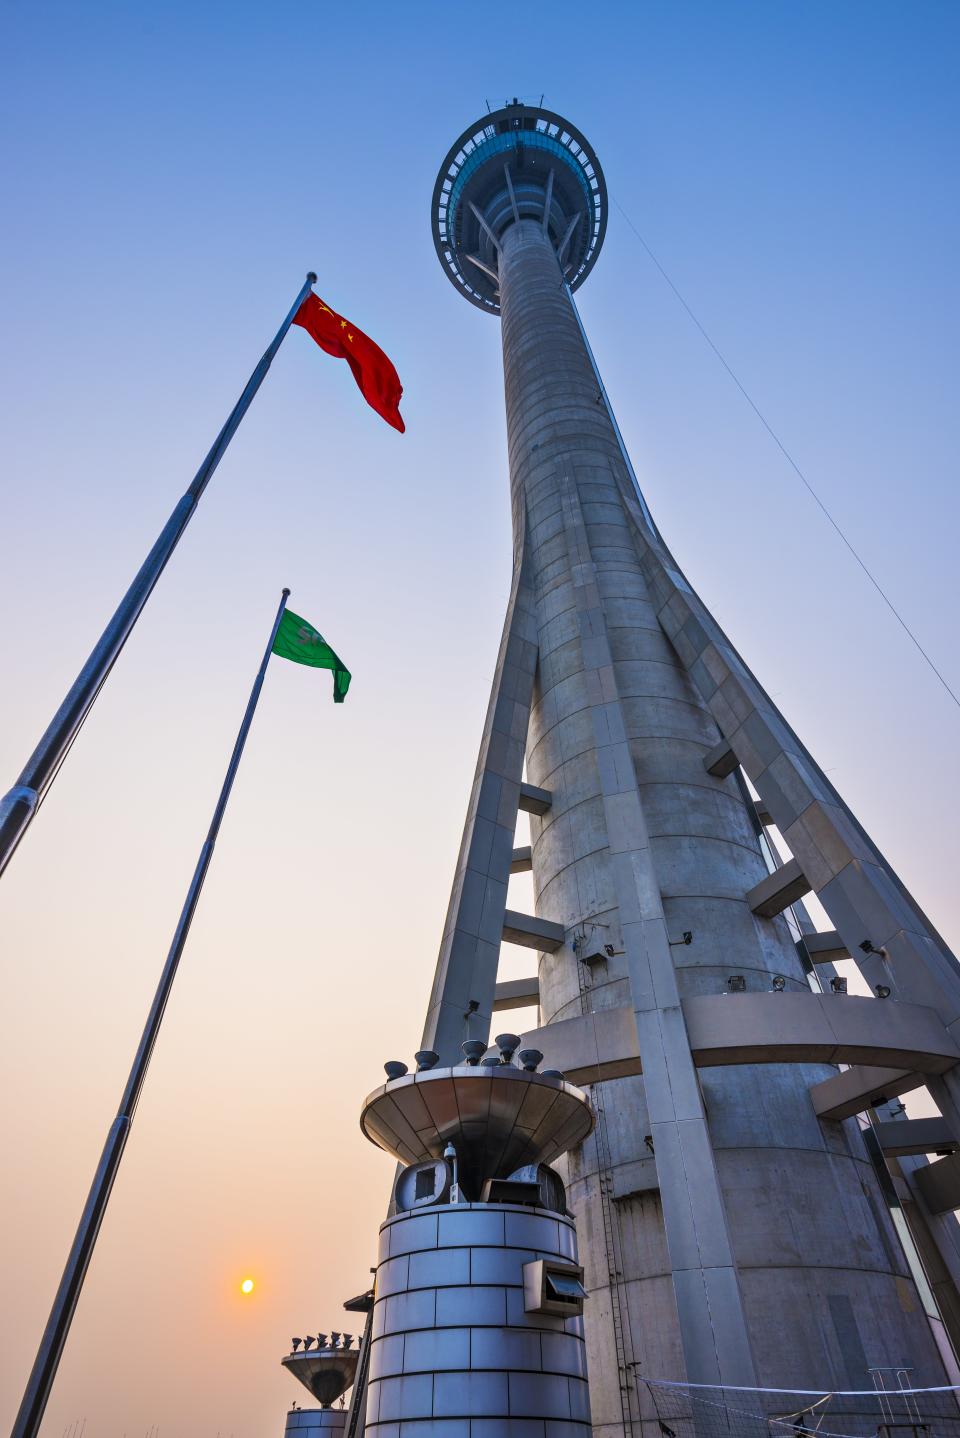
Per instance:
x=54, y=1337
x=20, y=804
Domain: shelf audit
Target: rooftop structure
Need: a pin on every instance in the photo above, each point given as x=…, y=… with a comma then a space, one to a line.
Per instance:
x=326, y=1367
x=477, y=1325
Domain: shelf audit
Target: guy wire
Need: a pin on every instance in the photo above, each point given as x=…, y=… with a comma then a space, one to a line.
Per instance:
x=791, y=461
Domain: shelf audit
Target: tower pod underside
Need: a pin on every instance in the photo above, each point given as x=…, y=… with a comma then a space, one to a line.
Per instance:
x=520, y=162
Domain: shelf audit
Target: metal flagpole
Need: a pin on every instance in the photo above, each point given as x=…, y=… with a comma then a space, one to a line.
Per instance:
x=47, y=1360
x=20, y=804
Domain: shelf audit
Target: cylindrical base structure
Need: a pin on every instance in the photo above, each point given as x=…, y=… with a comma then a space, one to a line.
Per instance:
x=304, y=1421
x=455, y=1353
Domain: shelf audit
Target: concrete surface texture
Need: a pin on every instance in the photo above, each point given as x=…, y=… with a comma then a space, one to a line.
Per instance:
x=730, y=1231
x=795, y=1242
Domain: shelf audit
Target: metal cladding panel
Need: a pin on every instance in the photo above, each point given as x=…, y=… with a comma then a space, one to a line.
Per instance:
x=408, y=1097
x=386, y=1356
x=439, y=1266
x=451, y=1342
x=418, y=1231
x=441, y=1104
x=487, y=1306
x=316, y=1420
x=532, y=1230
x=506, y=1348
x=392, y=1274
x=459, y=1395
x=477, y=1226
x=433, y=1351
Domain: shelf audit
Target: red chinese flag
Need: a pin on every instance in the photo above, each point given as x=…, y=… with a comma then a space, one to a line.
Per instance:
x=378, y=380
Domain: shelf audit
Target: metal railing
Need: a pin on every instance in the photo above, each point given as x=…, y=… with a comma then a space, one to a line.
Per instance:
x=891, y=1409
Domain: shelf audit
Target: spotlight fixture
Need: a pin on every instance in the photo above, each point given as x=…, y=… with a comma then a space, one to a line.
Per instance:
x=508, y=1045
x=347, y=1340
x=307, y=1341
x=609, y=950
x=334, y=1339
x=394, y=1070
x=426, y=1060
x=737, y=984
x=648, y=1140
x=295, y=1342
x=686, y=938
x=779, y=983
x=321, y=1340
x=473, y=1051
x=530, y=1059
x=866, y=947
x=838, y=985
x=882, y=991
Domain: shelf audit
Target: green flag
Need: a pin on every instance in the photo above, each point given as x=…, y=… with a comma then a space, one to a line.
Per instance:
x=299, y=641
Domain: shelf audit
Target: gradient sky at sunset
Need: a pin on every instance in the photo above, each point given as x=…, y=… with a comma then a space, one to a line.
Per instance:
x=170, y=172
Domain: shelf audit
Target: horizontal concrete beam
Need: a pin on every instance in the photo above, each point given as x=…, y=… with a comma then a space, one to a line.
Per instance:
x=630, y=1179
x=534, y=800
x=521, y=860
x=939, y=1183
x=574, y=1046
x=516, y=994
x=761, y=1028
x=778, y=890
x=531, y=932
x=899, y=1138
x=720, y=761
x=826, y=948
x=860, y=1088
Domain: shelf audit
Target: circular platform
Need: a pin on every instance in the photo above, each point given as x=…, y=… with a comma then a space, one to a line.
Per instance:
x=498, y=1119
x=324, y=1372
x=521, y=162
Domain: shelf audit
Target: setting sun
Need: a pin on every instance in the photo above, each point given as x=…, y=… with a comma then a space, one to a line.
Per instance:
x=246, y=1286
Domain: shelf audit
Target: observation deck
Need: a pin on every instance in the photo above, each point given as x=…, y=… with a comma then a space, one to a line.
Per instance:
x=521, y=162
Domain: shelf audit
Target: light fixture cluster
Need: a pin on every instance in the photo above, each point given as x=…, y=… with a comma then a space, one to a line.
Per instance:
x=337, y=1341
x=475, y=1053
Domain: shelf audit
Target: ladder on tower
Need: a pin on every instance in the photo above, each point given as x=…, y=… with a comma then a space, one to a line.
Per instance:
x=611, y=1240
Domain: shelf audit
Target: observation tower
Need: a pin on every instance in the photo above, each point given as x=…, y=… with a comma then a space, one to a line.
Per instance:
x=739, y=1224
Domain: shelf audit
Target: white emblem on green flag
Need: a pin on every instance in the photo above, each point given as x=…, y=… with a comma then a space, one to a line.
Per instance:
x=299, y=641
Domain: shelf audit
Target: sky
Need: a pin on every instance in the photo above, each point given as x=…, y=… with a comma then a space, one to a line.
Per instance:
x=170, y=172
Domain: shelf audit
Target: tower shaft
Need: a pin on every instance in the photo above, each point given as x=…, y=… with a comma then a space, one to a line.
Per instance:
x=732, y=1225
x=641, y=840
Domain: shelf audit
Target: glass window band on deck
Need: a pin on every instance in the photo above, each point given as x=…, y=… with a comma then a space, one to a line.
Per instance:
x=501, y=144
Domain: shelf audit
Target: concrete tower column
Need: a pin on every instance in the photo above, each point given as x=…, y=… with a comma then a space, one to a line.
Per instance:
x=596, y=843
x=728, y=1233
